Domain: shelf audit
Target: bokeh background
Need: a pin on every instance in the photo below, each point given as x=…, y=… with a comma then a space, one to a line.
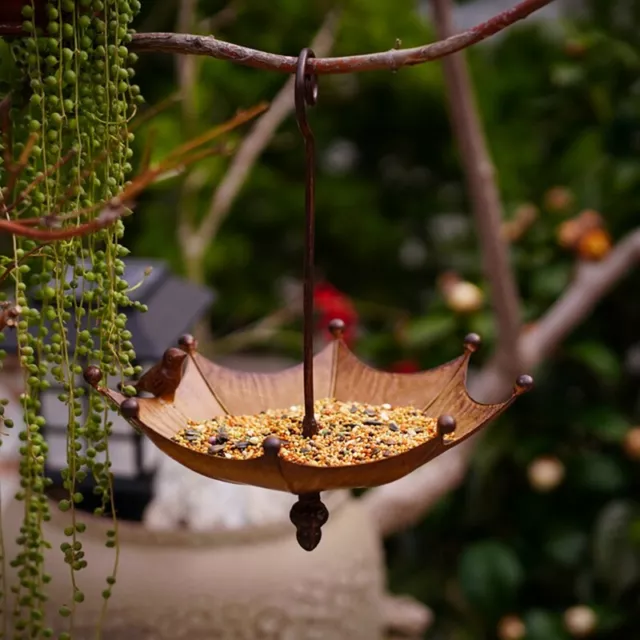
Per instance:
x=548, y=517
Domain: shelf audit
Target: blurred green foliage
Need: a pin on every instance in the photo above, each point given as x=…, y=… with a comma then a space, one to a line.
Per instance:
x=561, y=106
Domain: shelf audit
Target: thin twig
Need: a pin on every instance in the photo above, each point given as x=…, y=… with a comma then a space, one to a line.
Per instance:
x=14, y=169
x=384, y=60
x=177, y=160
x=38, y=180
x=483, y=192
x=154, y=110
x=14, y=265
x=258, y=332
x=110, y=214
x=240, y=118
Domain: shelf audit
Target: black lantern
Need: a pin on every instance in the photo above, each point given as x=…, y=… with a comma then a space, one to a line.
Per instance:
x=175, y=306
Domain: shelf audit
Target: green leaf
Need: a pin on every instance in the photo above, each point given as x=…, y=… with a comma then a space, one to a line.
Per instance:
x=543, y=625
x=599, y=358
x=623, y=51
x=605, y=423
x=584, y=155
x=8, y=71
x=626, y=175
x=566, y=75
x=567, y=547
x=497, y=444
x=634, y=531
x=490, y=574
x=616, y=558
x=548, y=282
x=429, y=329
x=484, y=324
x=599, y=472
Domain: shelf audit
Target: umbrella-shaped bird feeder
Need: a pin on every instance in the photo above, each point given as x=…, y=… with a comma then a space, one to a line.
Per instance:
x=368, y=428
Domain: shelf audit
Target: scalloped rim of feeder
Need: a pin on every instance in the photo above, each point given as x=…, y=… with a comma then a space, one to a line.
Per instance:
x=205, y=389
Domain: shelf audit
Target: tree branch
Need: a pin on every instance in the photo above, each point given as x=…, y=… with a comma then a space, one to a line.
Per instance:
x=112, y=212
x=256, y=140
x=400, y=504
x=484, y=195
x=384, y=60
x=592, y=282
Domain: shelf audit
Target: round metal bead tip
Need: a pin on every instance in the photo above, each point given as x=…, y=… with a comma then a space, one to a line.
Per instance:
x=336, y=327
x=271, y=445
x=446, y=425
x=472, y=342
x=130, y=408
x=524, y=383
x=92, y=375
x=188, y=343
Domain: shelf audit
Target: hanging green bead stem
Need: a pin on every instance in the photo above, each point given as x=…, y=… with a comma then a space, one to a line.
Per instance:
x=72, y=102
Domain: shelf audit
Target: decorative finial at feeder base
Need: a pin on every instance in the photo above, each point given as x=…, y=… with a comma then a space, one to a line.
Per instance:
x=308, y=515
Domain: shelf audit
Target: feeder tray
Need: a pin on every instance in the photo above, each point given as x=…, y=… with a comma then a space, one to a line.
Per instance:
x=188, y=388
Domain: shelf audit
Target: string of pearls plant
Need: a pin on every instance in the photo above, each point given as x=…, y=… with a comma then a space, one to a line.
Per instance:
x=71, y=105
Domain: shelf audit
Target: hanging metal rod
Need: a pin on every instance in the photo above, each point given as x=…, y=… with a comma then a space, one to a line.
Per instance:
x=306, y=94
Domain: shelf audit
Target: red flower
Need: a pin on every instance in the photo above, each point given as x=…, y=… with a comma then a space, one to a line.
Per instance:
x=405, y=366
x=332, y=304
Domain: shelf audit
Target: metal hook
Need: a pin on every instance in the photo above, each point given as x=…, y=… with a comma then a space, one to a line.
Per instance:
x=306, y=91
x=306, y=94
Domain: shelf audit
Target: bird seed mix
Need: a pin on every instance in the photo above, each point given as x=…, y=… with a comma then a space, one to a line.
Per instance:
x=348, y=433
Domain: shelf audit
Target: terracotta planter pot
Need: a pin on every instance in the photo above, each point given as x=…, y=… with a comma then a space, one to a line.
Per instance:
x=11, y=17
x=238, y=585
